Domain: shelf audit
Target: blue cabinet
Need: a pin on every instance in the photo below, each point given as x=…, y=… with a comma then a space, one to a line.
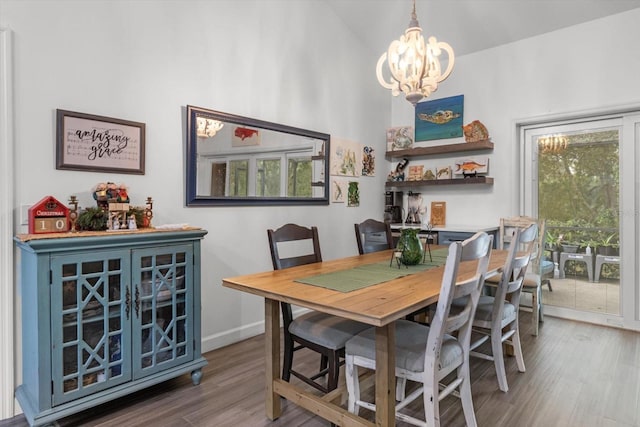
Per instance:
x=106, y=314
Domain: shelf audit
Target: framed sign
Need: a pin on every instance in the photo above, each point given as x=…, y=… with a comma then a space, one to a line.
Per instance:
x=99, y=144
x=438, y=214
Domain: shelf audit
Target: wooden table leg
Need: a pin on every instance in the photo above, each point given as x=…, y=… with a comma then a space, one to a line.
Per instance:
x=385, y=375
x=272, y=356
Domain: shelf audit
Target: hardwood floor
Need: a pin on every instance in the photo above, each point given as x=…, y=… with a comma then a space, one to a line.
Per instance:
x=577, y=375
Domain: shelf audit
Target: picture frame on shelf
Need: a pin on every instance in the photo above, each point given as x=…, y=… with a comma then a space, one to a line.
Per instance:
x=471, y=166
x=439, y=118
x=400, y=138
x=429, y=174
x=88, y=142
x=415, y=172
x=443, y=172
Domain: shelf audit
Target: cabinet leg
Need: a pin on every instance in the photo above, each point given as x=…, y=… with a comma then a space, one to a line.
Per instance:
x=196, y=376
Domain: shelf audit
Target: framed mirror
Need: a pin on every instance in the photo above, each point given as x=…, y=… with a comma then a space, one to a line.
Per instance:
x=234, y=160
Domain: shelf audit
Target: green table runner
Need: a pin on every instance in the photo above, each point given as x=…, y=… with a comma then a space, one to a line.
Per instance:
x=372, y=274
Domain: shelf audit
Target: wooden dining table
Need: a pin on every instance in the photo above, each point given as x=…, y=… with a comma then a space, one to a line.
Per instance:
x=378, y=305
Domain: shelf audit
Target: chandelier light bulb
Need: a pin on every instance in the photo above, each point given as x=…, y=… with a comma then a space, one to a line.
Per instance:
x=413, y=64
x=553, y=144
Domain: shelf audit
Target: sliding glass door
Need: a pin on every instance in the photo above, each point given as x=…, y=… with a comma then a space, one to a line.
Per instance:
x=571, y=177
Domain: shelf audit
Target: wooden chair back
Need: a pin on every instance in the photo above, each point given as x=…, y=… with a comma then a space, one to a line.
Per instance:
x=290, y=233
x=293, y=233
x=373, y=236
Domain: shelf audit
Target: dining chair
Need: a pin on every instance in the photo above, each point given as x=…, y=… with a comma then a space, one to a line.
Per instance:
x=428, y=354
x=373, y=236
x=538, y=275
x=540, y=269
x=496, y=317
x=320, y=332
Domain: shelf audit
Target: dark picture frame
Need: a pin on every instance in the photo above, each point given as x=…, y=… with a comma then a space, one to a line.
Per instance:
x=232, y=126
x=87, y=142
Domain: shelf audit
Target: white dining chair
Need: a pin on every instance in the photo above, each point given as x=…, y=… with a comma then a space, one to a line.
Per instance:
x=496, y=317
x=540, y=269
x=428, y=354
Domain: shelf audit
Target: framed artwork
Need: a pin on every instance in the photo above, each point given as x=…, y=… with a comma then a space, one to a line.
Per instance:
x=338, y=190
x=346, y=156
x=415, y=173
x=429, y=174
x=439, y=119
x=368, y=161
x=471, y=166
x=99, y=144
x=443, y=172
x=353, y=194
x=245, y=137
x=438, y=213
x=399, y=138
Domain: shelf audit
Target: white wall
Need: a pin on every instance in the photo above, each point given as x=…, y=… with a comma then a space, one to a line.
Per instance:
x=290, y=62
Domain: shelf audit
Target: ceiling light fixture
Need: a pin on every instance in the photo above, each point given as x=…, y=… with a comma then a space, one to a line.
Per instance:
x=207, y=128
x=552, y=144
x=414, y=66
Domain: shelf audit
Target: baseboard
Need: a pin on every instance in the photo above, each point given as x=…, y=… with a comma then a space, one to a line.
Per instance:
x=232, y=336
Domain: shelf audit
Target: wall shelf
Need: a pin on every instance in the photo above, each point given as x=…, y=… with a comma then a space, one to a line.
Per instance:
x=486, y=180
x=442, y=149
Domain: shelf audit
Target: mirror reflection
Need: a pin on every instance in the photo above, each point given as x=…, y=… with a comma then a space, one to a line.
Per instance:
x=236, y=160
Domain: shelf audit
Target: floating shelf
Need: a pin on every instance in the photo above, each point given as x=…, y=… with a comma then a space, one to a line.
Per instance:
x=442, y=149
x=462, y=181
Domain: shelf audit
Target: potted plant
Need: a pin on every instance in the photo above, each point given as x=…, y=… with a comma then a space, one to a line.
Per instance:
x=553, y=243
x=553, y=240
x=570, y=246
x=589, y=245
x=609, y=245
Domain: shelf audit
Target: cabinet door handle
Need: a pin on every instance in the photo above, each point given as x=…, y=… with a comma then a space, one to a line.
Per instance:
x=127, y=302
x=137, y=301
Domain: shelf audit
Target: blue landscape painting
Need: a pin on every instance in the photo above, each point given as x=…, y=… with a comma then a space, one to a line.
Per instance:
x=439, y=119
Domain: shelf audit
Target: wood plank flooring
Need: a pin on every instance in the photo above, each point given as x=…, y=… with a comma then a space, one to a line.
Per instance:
x=577, y=375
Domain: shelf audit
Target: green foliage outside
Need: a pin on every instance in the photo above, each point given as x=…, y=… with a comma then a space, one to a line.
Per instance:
x=299, y=177
x=578, y=190
x=238, y=177
x=268, y=178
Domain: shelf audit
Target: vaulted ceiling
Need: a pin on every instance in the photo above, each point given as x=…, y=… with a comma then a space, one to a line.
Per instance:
x=469, y=25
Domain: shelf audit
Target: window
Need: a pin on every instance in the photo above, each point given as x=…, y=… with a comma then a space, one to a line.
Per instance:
x=268, y=177
x=299, y=177
x=238, y=177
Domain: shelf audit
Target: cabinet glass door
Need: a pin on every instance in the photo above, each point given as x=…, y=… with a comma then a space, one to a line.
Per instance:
x=90, y=325
x=162, y=308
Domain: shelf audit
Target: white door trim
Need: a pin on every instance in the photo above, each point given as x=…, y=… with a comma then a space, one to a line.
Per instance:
x=629, y=122
x=7, y=334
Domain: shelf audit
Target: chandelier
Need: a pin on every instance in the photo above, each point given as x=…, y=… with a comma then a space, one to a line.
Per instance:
x=552, y=144
x=414, y=66
x=206, y=128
